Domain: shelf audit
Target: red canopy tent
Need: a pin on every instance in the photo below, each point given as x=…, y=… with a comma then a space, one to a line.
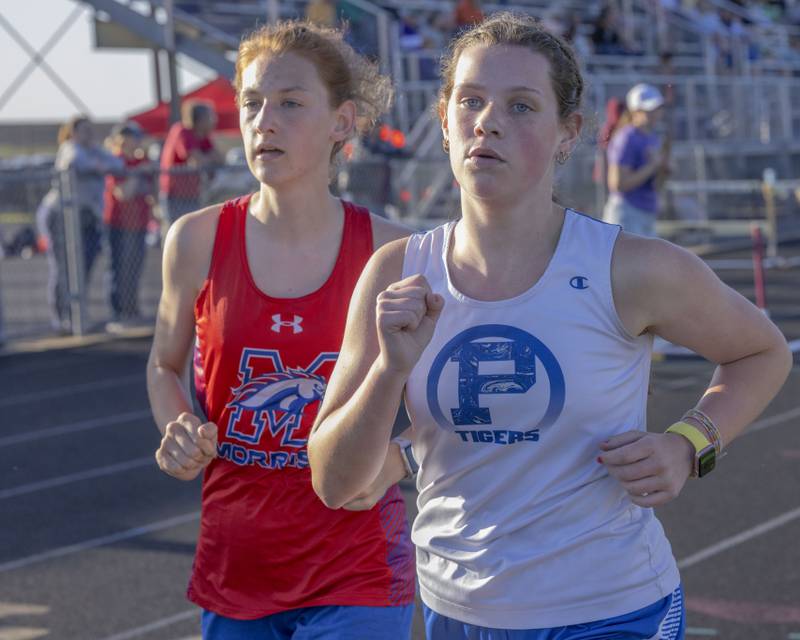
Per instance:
x=219, y=92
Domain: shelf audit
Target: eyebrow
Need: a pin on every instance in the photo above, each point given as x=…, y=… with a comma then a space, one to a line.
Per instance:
x=517, y=89
x=253, y=90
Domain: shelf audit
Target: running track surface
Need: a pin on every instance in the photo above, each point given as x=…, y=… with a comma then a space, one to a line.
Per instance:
x=96, y=543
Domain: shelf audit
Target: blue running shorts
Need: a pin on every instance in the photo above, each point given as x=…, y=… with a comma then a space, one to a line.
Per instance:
x=663, y=620
x=315, y=623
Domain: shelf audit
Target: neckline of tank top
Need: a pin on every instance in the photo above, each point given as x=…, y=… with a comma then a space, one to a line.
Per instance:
x=347, y=209
x=569, y=218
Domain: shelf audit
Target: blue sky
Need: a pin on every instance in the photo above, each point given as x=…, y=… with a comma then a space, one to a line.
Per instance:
x=112, y=83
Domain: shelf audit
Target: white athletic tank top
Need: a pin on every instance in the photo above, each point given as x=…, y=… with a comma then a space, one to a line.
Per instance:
x=519, y=526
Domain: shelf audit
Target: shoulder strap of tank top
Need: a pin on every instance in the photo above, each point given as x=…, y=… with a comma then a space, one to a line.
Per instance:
x=357, y=235
x=227, y=240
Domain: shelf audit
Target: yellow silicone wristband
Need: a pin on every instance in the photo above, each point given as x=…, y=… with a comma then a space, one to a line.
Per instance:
x=692, y=434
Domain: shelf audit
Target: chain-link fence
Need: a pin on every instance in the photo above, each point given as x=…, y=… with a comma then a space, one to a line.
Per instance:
x=71, y=266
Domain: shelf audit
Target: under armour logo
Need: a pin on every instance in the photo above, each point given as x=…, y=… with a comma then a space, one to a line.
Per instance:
x=279, y=322
x=579, y=282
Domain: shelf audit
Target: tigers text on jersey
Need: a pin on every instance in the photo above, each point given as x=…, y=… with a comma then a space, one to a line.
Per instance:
x=267, y=543
x=519, y=527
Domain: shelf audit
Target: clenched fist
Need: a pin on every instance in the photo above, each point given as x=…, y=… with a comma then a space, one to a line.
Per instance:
x=406, y=315
x=187, y=447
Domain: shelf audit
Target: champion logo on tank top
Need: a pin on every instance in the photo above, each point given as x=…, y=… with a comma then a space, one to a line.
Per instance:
x=271, y=396
x=579, y=282
x=486, y=377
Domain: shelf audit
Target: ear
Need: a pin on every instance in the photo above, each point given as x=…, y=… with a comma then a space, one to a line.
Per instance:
x=571, y=131
x=345, y=121
x=442, y=110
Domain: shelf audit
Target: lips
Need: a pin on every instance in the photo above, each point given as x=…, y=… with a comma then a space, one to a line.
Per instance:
x=484, y=152
x=268, y=151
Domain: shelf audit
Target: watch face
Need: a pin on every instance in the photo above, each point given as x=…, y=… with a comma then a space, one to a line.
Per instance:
x=706, y=461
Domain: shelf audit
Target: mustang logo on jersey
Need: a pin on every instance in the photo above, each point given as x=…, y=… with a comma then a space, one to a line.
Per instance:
x=272, y=396
x=485, y=386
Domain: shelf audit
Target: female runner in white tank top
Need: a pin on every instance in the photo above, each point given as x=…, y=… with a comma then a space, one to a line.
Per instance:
x=521, y=335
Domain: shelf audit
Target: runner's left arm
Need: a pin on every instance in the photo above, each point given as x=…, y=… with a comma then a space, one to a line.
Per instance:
x=670, y=292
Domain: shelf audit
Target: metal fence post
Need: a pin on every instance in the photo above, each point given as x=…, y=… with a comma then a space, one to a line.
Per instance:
x=73, y=243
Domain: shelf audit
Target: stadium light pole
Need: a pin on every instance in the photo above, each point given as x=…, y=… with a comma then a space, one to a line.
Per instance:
x=172, y=67
x=156, y=62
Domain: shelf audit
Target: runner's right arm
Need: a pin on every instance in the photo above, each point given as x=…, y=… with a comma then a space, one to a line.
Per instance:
x=388, y=325
x=188, y=445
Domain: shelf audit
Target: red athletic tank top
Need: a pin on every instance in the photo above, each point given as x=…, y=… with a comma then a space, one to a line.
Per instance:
x=267, y=543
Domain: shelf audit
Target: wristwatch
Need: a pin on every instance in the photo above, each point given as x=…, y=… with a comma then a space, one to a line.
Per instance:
x=705, y=456
x=407, y=454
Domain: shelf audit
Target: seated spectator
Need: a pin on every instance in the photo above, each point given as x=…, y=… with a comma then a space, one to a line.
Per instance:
x=568, y=27
x=607, y=36
x=467, y=13
x=322, y=12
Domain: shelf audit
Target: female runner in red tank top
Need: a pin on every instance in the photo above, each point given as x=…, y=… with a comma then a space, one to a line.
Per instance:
x=263, y=282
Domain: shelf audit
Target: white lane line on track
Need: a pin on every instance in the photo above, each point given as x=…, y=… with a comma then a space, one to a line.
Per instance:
x=739, y=538
x=701, y=631
x=37, y=396
x=100, y=542
x=104, y=421
x=158, y=624
x=99, y=472
x=778, y=418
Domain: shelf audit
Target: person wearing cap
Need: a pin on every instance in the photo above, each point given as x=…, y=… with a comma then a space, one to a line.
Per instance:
x=128, y=204
x=636, y=161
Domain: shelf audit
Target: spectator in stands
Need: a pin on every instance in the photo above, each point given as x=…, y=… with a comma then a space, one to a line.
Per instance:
x=734, y=42
x=188, y=151
x=418, y=33
x=607, y=35
x=322, y=12
x=467, y=13
x=637, y=162
x=87, y=164
x=127, y=212
x=568, y=26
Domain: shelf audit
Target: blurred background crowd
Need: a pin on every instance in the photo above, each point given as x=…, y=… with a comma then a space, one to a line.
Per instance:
x=84, y=203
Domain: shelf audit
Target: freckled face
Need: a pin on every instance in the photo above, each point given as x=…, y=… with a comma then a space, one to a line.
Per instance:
x=288, y=126
x=502, y=121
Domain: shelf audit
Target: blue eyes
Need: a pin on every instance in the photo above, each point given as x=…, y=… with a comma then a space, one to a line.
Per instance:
x=255, y=105
x=477, y=103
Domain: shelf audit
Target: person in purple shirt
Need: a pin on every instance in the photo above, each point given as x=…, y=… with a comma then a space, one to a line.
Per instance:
x=637, y=160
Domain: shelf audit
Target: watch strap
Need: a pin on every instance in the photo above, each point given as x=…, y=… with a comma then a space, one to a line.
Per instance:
x=702, y=447
x=692, y=434
x=407, y=455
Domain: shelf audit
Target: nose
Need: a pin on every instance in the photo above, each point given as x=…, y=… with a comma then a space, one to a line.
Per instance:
x=488, y=122
x=265, y=119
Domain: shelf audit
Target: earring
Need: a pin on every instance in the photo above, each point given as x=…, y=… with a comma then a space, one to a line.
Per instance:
x=446, y=145
x=562, y=157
